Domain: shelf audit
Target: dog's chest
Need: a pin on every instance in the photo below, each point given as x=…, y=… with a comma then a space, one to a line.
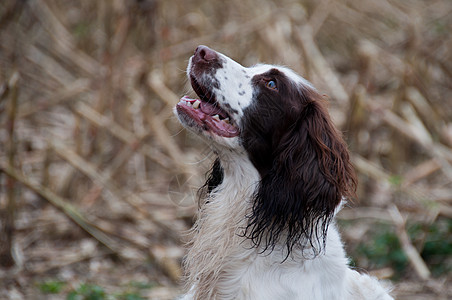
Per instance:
x=251, y=275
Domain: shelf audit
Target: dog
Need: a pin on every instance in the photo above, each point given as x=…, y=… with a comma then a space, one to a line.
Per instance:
x=265, y=228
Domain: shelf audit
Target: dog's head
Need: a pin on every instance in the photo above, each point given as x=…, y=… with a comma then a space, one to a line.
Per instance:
x=281, y=122
x=226, y=90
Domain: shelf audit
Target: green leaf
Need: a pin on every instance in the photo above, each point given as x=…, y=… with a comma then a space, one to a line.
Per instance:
x=52, y=286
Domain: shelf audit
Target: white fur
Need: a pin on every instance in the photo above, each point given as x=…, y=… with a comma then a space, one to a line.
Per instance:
x=222, y=264
x=245, y=274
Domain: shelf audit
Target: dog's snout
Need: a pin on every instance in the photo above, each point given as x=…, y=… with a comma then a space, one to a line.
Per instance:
x=204, y=53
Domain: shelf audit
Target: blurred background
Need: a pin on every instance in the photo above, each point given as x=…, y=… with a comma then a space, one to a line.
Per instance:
x=98, y=180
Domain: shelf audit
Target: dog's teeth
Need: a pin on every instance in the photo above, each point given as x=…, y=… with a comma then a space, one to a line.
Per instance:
x=196, y=104
x=188, y=103
x=216, y=117
x=226, y=120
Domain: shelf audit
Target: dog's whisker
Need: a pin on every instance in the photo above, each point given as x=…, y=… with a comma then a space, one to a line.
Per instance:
x=177, y=133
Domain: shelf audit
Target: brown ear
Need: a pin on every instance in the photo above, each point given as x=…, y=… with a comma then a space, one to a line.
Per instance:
x=309, y=175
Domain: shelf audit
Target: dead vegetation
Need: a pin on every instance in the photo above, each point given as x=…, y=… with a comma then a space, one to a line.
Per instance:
x=97, y=179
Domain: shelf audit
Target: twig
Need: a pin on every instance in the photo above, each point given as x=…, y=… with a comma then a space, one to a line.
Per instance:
x=6, y=258
x=435, y=150
x=163, y=135
x=45, y=181
x=63, y=205
x=166, y=265
x=305, y=38
x=411, y=252
x=419, y=194
x=10, y=11
x=157, y=121
x=277, y=35
x=231, y=29
x=120, y=159
x=365, y=213
x=402, y=69
x=159, y=87
x=409, y=114
x=320, y=14
x=122, y=134
x=132, y=199
x=49, y=65
x=68, y=92
x=63, y=42
x=60, y=262
x=423, y=108
x=420, y=171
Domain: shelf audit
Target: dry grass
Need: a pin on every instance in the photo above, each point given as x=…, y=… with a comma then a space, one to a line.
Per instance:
x=97, y=177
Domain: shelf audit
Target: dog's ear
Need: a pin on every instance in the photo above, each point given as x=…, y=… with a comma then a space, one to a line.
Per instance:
x=309, y=175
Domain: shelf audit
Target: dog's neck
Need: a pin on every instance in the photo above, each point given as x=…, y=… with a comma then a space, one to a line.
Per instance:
x=218, y=246
x=238, y=168
x=218, y=232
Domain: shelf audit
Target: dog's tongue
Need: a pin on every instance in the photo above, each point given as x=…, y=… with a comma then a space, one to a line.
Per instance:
x=209, y=109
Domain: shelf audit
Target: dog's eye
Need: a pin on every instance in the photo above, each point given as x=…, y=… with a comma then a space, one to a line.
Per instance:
x=271, y=85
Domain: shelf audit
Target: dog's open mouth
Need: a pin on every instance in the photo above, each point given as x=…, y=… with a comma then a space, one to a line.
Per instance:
x=206, y=112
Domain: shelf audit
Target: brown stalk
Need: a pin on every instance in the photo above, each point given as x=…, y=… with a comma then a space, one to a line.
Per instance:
x=62, y=204
x=8, y=228
x=433, y=149
x=132, y=199
x=305, y=38
x=62, y=38
x=122, y=134
x=64, y=95
x=419, y=194
x=413, y=255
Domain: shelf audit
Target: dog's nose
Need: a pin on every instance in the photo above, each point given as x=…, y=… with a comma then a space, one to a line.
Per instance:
x=205, y=53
